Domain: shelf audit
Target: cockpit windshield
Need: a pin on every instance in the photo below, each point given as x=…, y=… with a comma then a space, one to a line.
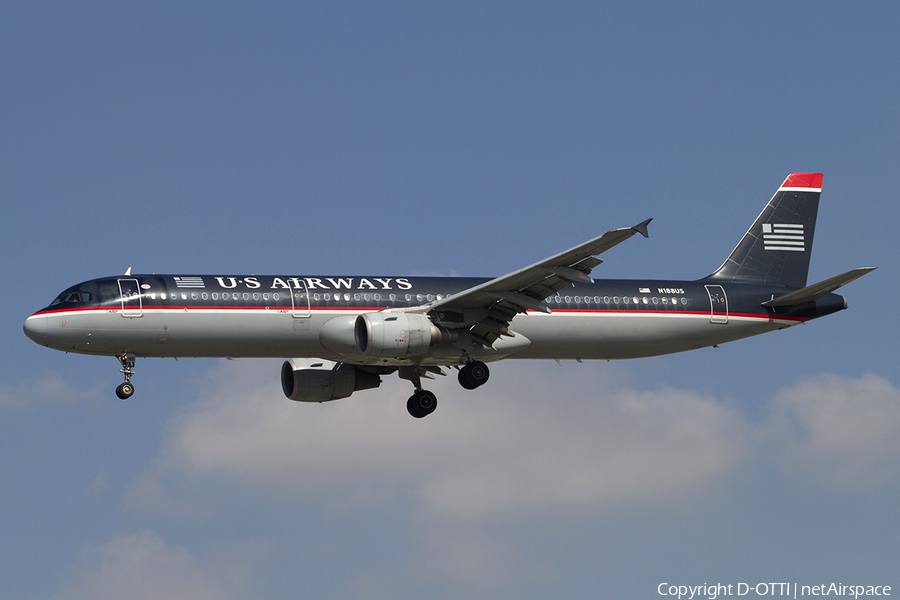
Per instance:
x=73, y=296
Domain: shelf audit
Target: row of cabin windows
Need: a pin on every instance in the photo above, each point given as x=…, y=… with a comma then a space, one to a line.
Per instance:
x=327, y=297
x=299, y=296
x=616, y=300
x=377, y=297
x=214, y=296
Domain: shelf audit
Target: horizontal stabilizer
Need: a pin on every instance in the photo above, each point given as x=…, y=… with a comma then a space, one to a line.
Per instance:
x=813, y=292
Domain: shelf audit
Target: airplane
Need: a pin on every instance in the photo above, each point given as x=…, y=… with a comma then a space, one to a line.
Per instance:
x=345, y=333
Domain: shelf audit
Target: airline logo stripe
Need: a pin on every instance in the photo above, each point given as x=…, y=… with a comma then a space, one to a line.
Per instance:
x=783, y=236
x=189, y=282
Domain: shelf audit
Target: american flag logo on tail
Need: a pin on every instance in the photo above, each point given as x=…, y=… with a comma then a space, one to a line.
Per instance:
x=783, y=236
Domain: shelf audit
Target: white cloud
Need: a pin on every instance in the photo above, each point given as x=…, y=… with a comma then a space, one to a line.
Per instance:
x=609, y=446
x=521, y=447
x=839, y=430
x=142, y=565
x=535, y=443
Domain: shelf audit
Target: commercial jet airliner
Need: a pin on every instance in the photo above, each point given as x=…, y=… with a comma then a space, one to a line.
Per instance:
x=342, y=334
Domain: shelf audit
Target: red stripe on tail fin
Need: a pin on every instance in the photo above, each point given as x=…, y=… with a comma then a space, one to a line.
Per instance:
x=803, y=180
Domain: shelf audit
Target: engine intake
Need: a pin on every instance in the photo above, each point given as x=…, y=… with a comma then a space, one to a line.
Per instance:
x=322, y=380
x=396, y=335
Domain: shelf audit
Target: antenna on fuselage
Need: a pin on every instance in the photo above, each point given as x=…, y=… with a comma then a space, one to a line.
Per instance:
x=128, y=271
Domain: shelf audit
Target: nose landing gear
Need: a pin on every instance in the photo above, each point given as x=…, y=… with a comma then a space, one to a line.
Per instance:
x=126, y=389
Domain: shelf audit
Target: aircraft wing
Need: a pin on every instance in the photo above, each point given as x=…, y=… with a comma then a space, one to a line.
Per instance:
x=489, y=307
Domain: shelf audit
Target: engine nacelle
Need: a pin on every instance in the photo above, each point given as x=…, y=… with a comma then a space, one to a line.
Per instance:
x=307, y=380
x=396, y=335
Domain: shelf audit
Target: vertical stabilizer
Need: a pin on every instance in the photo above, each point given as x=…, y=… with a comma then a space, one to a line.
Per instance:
x=777, y=247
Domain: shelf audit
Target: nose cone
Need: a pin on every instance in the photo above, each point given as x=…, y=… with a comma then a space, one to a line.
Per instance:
x=36, y=329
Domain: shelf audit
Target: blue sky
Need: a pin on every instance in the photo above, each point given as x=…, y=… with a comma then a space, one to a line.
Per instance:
x=469, y=139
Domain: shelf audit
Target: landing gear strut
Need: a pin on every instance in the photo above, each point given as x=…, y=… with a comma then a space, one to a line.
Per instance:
x=126, y=389
x=473, y=375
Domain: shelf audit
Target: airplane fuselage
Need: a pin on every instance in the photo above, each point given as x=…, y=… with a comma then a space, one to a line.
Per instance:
x=278, y=316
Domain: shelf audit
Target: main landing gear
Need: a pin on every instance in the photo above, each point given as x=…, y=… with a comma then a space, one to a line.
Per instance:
x=422, y=403
x=473, y=375
x=126, y=389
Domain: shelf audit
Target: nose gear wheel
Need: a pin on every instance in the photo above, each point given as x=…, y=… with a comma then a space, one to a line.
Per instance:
x=126, y=389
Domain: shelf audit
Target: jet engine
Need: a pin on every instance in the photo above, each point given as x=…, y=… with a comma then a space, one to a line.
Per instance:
x=306, y=380
x=396, y=335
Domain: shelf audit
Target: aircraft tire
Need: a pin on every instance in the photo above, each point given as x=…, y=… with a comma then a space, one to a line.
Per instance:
x=124, y=390
x=421, y=404
x=473, y=375
x=463, y=381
